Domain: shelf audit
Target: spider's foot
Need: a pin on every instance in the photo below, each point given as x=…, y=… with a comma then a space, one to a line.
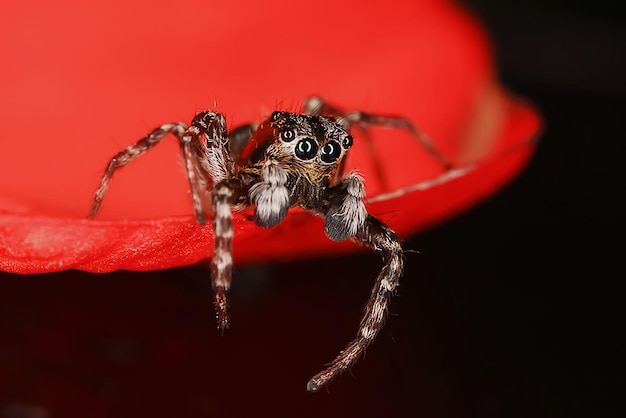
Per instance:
x=201, y=218
x=447, y=165
x=223, y=321
x=95, y=207
x=221, y=311
x=320, y=380
x=312, y=385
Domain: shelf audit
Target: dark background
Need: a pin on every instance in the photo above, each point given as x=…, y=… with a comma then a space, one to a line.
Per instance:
x=510, y=310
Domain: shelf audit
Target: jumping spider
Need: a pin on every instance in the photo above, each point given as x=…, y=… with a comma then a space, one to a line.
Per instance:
x=290, y=159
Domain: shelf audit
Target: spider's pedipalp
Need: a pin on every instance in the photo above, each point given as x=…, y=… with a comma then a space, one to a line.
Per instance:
x=270, y=196
x=347, y=213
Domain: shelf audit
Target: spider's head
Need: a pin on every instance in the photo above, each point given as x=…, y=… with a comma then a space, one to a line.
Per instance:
x=312, y=146
x=316, y=139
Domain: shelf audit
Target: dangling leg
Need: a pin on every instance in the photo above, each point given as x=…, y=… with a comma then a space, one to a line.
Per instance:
x=378, y=236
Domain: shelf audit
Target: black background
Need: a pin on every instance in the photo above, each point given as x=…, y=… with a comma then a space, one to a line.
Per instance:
x=510, y=310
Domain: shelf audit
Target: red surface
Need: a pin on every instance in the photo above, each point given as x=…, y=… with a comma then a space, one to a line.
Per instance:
x=80, y=81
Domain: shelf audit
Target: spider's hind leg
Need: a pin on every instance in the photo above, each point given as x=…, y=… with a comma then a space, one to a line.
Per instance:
x=318, y=106
x=122, y=158
x=366, y=119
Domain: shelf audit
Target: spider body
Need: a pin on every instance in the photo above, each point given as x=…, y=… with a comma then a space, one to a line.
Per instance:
x=290, y=159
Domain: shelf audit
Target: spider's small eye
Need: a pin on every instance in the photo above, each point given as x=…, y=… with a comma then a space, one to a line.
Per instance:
x=330, y=152
x=288, y=135
x=276, y=115
x=347, y=142
x=306, y=149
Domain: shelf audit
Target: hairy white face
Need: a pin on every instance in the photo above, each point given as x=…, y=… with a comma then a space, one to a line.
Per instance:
x=316, y=139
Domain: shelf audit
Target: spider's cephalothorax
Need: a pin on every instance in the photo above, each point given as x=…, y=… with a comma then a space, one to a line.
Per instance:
x=288, y=160
x=292, y=159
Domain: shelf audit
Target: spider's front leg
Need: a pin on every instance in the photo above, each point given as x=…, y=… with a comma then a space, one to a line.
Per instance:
x=378, y=236
x=224, y=195
x=346, y=217
x=269, y=194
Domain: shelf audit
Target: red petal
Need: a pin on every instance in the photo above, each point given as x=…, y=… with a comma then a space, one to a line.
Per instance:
x=81, y=83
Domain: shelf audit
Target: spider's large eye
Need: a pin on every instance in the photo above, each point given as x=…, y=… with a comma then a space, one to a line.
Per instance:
x=287, y=135
x=306, y=149
x=347, y=142
x=330, y=152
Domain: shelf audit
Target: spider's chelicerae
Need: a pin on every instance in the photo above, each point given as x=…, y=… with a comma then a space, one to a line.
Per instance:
x=290, y=159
